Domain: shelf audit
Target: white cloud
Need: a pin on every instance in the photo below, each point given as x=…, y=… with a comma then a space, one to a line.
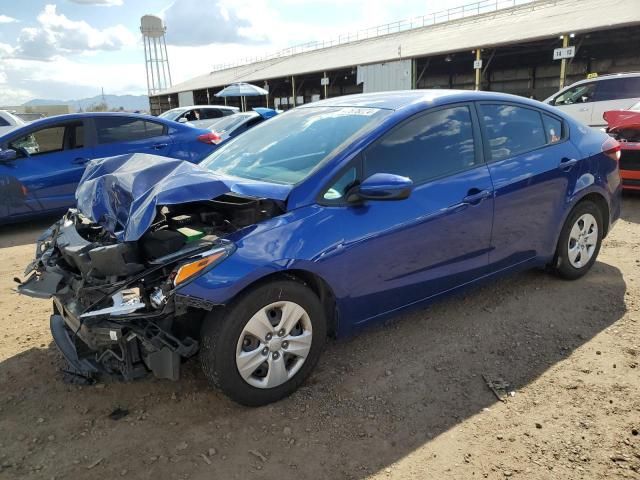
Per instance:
x=215, y=23
x=99, y=3
x=58, y=35
x=7, y=19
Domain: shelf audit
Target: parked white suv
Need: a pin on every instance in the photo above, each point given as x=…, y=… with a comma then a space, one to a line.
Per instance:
x=198, y=112
x=9, y=121
x=587, y=100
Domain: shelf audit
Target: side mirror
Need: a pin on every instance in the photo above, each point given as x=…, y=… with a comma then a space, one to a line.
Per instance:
x=8, y=155
x=182, y=120
x=382, y=186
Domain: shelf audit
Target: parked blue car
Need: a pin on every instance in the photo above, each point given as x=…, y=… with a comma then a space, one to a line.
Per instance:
x=42, y=162
x=325, y=219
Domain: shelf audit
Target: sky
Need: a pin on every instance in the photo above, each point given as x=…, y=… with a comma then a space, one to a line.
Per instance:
x=70, y=49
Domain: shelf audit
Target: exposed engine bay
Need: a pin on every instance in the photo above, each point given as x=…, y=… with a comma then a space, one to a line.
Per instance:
x=117, y=310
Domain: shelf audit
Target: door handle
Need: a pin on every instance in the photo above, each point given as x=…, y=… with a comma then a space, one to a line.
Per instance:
x=476, y=197
x=584, y=109
x=80, y=161
x=158, y=146
x=567, y=164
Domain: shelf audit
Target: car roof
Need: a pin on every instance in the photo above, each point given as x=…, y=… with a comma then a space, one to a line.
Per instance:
x=225, y=107
x=69, y=117
x=608, y=76
x=397, y=100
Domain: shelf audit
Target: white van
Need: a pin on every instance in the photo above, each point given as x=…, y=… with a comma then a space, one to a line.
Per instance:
x=587, y=100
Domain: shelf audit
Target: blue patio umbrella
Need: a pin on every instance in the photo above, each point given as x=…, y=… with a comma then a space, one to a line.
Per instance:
x=242, y=90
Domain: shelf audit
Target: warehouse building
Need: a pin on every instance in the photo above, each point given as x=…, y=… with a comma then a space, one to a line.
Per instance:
x=481, y=45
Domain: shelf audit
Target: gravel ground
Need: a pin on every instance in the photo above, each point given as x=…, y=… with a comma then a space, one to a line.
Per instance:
x=407, y=400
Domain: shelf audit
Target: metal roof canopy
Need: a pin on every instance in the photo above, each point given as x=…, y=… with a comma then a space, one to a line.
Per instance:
x=528, y=22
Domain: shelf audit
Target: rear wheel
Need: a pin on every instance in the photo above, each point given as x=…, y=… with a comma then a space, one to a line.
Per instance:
x=579, y=241
x=264, y=345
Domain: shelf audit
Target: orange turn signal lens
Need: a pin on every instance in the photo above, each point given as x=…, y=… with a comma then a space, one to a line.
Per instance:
x=190, y=269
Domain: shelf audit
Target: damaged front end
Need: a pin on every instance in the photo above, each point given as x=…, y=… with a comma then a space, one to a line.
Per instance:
x=116, y=310
x=117, y=304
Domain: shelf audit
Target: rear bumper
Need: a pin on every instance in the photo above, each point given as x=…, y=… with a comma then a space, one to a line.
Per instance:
x=630, y=165
x=630, y=179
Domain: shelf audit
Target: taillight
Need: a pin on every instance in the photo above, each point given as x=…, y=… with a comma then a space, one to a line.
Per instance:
x=611, y=148
x=211, y=138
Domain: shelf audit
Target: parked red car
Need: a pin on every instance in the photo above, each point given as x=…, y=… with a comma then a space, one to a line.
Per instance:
x=624, y=126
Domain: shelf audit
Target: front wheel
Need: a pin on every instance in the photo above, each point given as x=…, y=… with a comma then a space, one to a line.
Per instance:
x=579, y=241
x=263, y=346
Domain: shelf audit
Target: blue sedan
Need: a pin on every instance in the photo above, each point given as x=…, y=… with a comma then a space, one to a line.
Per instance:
x=327, y=218
x=42, y=162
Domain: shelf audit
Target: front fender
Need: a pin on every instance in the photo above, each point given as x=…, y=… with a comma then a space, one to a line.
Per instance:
x=234, y=275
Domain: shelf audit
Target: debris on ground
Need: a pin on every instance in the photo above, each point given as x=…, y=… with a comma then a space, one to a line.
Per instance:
x=118, y=413
x=499, y=387
x=257, y=454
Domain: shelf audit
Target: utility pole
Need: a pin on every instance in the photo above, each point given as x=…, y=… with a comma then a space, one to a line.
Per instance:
x=563, y=62
x=477, y=65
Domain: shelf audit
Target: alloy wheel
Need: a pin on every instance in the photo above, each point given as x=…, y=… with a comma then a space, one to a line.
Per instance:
x=274, y=344
x=583, y=239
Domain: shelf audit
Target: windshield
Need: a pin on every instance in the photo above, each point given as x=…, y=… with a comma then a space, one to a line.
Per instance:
x=636, y=107
x=172, y=114
x=288, y=147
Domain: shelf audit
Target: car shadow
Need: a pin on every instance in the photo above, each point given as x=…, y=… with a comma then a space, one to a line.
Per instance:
x=631, y=207
x=24, y=233
x=373, y=399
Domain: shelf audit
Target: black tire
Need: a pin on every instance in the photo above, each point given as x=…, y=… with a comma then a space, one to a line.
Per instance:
x=562, y=265
x=221, y=331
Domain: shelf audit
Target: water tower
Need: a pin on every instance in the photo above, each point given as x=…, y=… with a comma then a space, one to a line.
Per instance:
x=155, y=54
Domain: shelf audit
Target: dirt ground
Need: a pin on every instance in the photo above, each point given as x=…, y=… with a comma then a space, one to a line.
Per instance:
x=406, y=400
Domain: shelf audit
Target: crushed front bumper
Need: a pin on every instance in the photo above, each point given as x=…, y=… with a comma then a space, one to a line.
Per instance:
x=123, y=349
x=62, y=337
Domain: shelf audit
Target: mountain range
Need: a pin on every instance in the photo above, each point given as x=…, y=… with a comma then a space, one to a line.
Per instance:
x=114, y=102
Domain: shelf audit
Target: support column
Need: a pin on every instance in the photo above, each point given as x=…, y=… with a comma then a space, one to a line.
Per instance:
x=293, y=90
x=324, y=75
x=478, y=70
x=563, y=62
x=414, y=72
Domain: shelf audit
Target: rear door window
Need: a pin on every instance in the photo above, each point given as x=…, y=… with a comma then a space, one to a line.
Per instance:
x=208, y=113
x=512, y=130
x=618, y=89
x=123, y=129
x=432, y=145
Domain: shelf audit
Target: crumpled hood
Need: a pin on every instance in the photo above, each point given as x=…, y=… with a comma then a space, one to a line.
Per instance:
x=122, y=193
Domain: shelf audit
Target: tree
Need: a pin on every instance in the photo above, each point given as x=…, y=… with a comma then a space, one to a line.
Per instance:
x=98, y=107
